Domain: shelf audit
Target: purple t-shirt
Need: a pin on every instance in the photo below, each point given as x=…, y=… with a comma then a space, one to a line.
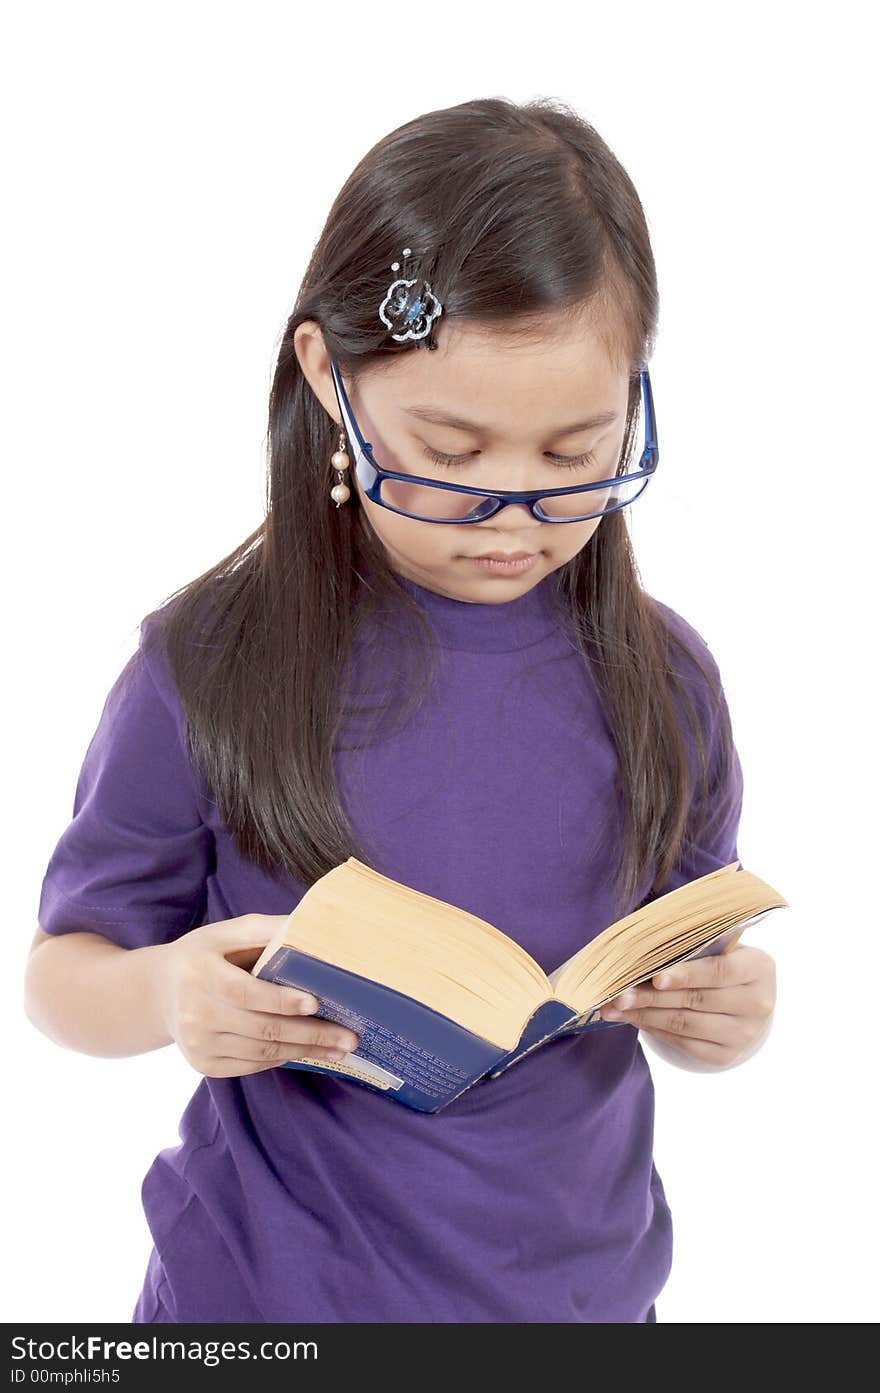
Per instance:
x=295, y=1196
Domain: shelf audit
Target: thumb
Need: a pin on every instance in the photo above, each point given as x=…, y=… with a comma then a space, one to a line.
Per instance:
x=242, y=940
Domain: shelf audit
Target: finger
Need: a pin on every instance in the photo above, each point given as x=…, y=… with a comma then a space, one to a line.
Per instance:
x=261, y=1025
x=276, y=1043
x=241, y=941
x=229, y=1068
x=239, y=988
x=725, y=1001
x=731, y=969
x=272, y=1053
x=692, y=1025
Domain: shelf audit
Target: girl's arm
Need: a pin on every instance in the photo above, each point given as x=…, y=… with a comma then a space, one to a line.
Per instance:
x=88, y=994
x=94, y=996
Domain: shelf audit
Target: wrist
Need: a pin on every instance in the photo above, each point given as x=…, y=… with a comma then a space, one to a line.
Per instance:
x=147, y=989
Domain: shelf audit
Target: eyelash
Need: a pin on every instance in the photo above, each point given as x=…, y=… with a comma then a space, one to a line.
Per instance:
x=450, y=461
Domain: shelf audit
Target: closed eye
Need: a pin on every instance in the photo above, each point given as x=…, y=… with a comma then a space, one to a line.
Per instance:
x=564, y=461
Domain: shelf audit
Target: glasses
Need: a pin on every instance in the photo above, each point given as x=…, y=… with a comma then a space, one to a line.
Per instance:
x=433, y=500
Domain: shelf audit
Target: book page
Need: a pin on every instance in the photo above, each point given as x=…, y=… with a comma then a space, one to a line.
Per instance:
x=669, y=929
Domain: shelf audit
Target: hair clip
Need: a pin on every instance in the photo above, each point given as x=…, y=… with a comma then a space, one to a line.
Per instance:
x=420, y=315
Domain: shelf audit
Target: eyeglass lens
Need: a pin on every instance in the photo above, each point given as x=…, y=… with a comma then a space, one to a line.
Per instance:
x=447, y=505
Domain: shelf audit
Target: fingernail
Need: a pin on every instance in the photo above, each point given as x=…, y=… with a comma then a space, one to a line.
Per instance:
x=309, y=1003
x=337, y=1054
x=625, y=1001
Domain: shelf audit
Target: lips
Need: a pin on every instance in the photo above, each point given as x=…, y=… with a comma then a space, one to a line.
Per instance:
x=503, y=555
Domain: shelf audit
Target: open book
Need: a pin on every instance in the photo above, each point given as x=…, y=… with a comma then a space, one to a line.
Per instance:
x=442, y=999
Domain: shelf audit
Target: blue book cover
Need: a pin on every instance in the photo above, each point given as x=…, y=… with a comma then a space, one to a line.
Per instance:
x=407, y=1051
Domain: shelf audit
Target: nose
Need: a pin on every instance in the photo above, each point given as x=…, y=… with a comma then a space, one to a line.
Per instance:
x=511, y=517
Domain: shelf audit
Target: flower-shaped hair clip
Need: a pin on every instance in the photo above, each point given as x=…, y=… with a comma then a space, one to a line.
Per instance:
x=418, y=310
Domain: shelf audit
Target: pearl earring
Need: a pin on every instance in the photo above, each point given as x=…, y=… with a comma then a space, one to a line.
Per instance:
x=340, y=461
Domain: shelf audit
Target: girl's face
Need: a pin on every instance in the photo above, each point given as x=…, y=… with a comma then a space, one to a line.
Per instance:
x=520, y=401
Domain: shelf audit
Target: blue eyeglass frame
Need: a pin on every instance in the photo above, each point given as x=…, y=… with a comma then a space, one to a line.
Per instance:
x=370, y=474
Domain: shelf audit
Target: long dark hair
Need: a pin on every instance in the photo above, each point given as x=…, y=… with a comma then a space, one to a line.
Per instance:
x=515, y=212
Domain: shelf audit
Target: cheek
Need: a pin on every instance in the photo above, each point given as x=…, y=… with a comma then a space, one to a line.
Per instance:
x=419, y=542
x=575, y=537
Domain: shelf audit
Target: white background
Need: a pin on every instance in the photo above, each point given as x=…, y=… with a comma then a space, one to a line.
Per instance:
x=167, y=170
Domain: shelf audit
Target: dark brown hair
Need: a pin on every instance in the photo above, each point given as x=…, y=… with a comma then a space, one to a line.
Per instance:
x=517, y=214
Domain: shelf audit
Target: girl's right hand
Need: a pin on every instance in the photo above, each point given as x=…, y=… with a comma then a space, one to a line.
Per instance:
x=227, y=1022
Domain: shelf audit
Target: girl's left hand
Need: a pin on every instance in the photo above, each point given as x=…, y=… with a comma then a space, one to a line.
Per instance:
x=716, y=1009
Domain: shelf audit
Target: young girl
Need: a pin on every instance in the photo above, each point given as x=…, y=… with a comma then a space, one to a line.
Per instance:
x=562, y=755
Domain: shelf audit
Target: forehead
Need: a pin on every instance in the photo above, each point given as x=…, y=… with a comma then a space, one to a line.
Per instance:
x=547, y=372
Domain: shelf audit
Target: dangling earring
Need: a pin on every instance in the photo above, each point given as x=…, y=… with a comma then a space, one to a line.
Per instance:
x=340, y=461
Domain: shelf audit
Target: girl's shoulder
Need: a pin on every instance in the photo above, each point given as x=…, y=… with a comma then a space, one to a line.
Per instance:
x=694, y=665
x=152, y=653
x=682, y=627
x=133, y=859
x=687, y=641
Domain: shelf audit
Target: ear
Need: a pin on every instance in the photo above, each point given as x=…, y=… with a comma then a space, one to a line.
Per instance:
x=314, y=361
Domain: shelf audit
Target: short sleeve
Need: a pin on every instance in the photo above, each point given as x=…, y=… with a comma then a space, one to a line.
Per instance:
x=708, y=848
x=133, y=862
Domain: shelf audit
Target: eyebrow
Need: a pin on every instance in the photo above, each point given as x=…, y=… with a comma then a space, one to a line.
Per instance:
x=438, y=417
